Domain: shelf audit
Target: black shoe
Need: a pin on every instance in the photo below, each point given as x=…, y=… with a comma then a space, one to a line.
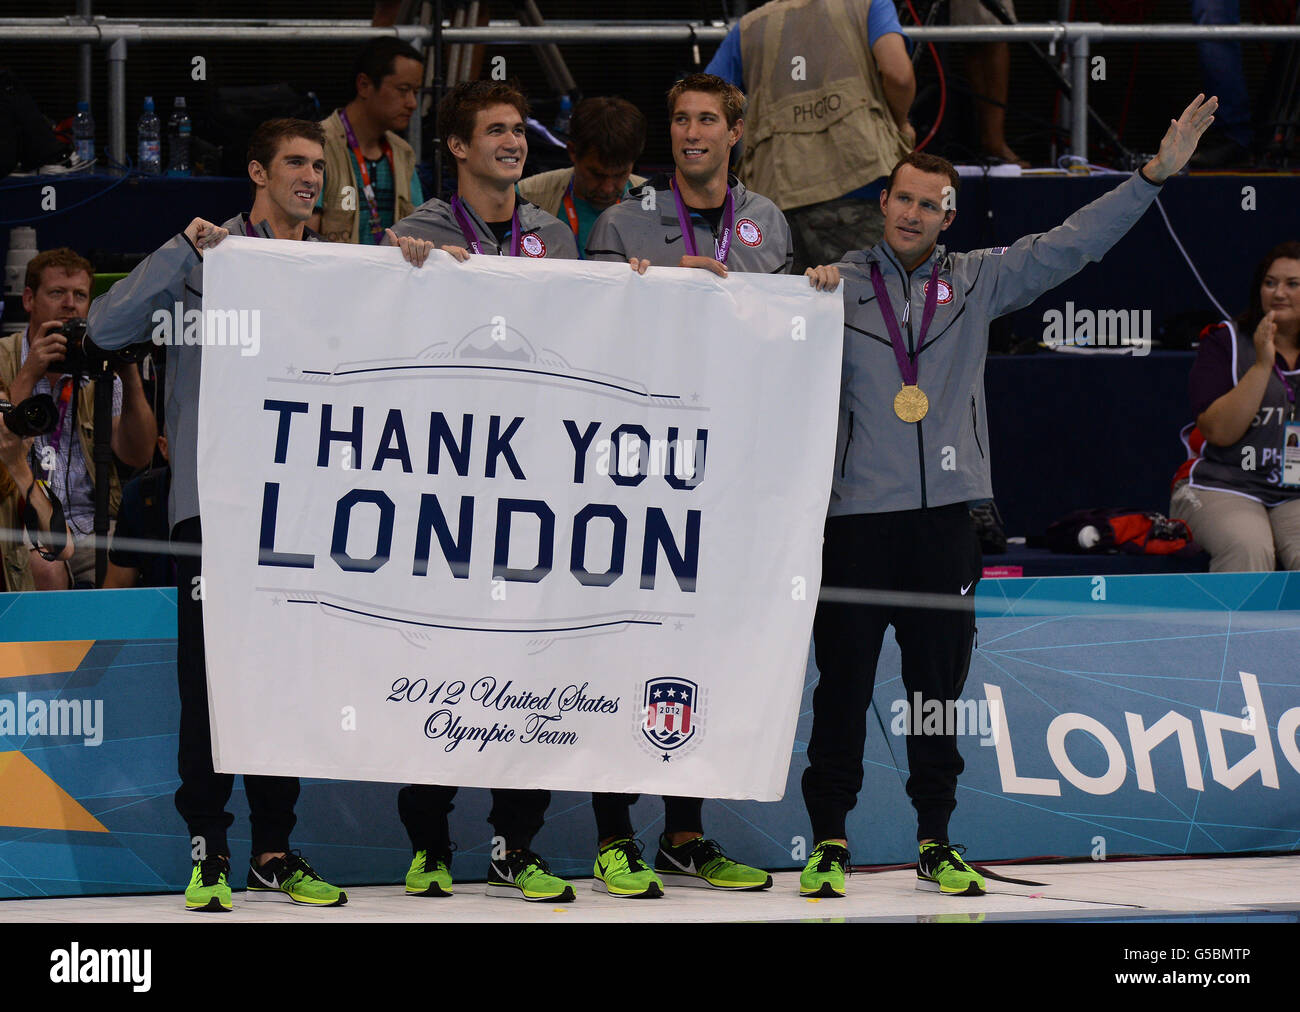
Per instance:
x=291, y=877
x=989, y=528
x=524, y=875
x=701, y=862
x=1219, y=151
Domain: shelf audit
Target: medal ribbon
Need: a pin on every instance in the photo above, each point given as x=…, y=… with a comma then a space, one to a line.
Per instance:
x=723, y=243
x=906, y=365
x=251, y=231
x=471, y=239
x=367, y=187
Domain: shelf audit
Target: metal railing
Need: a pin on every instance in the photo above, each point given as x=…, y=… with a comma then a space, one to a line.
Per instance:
x=116, y=35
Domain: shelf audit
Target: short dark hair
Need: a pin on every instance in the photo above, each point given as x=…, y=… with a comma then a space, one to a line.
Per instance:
x=611, y=127
x=932, y=164
x=732, y=98
x=460, y=106
x=268, y=137
x=377, y=58
x=71, y=261
x=1249, y=320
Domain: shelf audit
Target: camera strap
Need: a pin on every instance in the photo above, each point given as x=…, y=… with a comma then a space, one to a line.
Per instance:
x=58, y=525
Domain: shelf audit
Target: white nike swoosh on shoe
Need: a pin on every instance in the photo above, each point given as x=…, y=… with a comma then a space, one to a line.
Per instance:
x=505, y=876
x=271, y=883
x=966, y=589
x=687, y=868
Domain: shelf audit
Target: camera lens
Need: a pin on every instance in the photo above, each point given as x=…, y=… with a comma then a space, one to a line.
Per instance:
x=33, y=417
x=74, y=329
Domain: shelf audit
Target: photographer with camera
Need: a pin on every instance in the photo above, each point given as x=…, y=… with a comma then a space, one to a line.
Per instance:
x=24, y=501
x=56, y=298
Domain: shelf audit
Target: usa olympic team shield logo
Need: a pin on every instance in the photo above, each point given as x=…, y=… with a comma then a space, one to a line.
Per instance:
x=671, y=716
x=749, y=232
x=532, y=245
x=945, y=292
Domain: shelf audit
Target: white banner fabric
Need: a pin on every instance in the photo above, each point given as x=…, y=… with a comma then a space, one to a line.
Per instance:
x=506, y=524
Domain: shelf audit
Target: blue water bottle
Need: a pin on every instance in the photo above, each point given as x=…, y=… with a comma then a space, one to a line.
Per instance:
x=83, y=133
x=150, y=141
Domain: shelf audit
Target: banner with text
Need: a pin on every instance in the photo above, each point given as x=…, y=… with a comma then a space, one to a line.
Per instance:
x=545, y=524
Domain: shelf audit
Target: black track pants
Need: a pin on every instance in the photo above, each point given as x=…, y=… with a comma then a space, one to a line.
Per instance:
x=932, y=551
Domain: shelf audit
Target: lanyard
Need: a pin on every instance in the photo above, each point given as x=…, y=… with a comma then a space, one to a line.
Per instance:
x=65, y=398
x=906, y=365
x=1290, y=390
x=367, y=187
x=722, y=243
x=248, y=228
x=471, y=239
x=572, y=212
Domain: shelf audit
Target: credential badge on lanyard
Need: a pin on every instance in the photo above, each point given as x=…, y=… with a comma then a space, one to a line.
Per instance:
x=1290, y=437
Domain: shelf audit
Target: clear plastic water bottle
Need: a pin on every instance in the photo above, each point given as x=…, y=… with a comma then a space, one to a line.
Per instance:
x=562, y=120
x=83, y=133
x=178, y=140
x=150, y=141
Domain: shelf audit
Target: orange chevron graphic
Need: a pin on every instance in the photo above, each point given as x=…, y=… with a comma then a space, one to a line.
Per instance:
x=31, y=800
x=17, y=660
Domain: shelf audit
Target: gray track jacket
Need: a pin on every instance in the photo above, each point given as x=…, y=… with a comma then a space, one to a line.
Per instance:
x=433, y=220
x=883, y=464
x=124, y=315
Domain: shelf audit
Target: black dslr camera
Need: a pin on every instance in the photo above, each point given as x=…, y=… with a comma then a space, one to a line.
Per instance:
x=85, y=358
x=33, y=417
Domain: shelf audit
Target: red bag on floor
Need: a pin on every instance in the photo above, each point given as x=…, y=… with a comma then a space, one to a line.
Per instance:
x=1134, y=531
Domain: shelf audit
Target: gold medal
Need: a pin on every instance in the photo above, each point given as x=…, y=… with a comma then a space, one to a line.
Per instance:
x=911, y=404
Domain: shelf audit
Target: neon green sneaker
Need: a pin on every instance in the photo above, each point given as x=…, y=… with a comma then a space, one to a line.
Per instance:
x=702, y=863
x=941, y=869
x=825, y=871
x=429, y=876
x=524, y=875
x=620, y=871
x=209, y=887
x=291, y=877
